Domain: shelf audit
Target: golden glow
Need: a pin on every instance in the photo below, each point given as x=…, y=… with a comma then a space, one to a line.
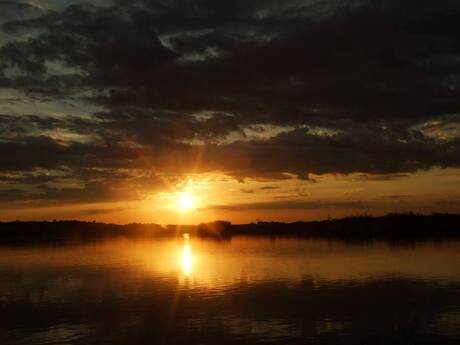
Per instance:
x=217, y=265
x=187, y=261
x=186, y=201
x=209, y=192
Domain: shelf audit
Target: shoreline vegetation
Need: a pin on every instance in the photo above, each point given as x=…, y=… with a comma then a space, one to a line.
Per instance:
x=400, y=227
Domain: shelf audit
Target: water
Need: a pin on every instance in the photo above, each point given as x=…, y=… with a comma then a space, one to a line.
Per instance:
x=243, y=291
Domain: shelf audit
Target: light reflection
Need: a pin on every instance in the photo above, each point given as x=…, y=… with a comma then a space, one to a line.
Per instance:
x=187, y=256
x=217, y=263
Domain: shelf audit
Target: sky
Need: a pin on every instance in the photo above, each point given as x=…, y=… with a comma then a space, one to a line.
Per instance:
x=117, y=110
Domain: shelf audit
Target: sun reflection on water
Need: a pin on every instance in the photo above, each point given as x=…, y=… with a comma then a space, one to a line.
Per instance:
x=187, y=262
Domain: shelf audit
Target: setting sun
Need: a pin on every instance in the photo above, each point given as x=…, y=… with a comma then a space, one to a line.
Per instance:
x=186, y=201
x=229, y=172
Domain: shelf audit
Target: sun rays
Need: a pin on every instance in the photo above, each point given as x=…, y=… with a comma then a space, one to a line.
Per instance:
x=186, y=202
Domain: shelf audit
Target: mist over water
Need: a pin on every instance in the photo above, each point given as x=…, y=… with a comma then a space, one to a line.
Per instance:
x=242, y=291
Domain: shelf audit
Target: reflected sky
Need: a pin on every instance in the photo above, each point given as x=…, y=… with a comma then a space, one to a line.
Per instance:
x=254, y=290
x=209, y=263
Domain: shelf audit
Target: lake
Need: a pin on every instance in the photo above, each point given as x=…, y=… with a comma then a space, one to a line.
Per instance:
x=247, y=290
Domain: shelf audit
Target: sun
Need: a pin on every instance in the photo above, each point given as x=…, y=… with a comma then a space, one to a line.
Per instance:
x=186, y=201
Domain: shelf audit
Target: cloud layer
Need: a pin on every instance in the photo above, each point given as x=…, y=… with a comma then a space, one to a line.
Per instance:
x=249, y=88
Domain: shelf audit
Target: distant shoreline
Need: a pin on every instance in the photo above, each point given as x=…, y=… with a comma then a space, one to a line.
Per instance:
x=392, y=227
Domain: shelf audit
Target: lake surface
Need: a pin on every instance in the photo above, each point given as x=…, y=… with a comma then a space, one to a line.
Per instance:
x=242, y=291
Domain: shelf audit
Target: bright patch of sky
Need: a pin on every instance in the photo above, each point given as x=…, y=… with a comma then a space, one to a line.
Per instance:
x=441, y=129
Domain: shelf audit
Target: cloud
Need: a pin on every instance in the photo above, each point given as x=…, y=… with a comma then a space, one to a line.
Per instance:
x=297, y=152
x=100, y=211
x=272, y=68
x=385, y=177
x=330, y=87
x=292, y=205
x=247, y=190
x=19, y=10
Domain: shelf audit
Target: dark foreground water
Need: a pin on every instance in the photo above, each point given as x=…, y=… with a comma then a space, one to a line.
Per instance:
x=244, y=291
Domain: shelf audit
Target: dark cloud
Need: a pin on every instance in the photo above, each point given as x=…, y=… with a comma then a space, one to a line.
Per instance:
x=267, y=68
x=269, y=187
x=13, y=9
x=78, y=186
x=356, y=86
x=386, y=177
x=29, y=152
x=13, y=194
x=397, y=197
x=247, y=190
x=297, y=152
x=292, y=205
x=99, y=211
